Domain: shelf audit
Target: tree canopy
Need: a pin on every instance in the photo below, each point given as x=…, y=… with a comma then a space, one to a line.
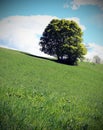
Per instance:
x=63, y=39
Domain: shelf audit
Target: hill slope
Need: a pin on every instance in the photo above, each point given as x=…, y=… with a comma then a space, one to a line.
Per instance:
x=39, y=94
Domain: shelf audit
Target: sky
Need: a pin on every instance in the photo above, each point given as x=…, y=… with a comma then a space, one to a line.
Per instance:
x=22, y=22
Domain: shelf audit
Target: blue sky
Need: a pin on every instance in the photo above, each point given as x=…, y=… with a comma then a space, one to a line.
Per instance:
x=22, y=22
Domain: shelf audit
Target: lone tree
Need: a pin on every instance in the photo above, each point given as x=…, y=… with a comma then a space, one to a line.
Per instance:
x=63, y=39
x=96, y=59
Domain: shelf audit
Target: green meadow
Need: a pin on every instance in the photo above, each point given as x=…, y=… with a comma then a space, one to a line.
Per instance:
x=41, y=94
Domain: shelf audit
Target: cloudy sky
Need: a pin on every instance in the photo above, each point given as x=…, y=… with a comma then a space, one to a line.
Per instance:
x=22, y=22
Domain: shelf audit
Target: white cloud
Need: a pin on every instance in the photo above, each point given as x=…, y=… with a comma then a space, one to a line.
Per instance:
x=94, y=50
x=77, y=3
x=23, y=32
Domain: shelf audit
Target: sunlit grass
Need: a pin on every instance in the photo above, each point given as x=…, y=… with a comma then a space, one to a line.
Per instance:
x=39, y=94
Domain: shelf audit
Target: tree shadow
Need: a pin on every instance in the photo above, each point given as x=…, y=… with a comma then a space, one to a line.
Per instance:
x=65, y=62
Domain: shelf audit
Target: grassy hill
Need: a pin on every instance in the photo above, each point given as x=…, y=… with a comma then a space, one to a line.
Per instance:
x=40, y=94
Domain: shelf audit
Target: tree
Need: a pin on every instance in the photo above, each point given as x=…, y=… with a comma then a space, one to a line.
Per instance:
x=96, y=59
x=63, y=39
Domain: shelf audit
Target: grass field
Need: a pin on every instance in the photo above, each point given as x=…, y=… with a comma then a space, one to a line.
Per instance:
x=40, y=94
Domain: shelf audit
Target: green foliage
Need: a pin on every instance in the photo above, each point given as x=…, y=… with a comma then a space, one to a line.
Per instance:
x=63, y=39
x=38, y=94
